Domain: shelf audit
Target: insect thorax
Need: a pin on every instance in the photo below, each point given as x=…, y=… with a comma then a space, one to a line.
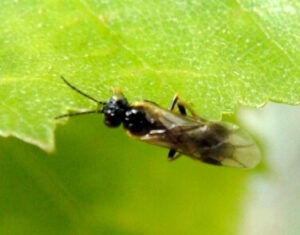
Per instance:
x=136, y=122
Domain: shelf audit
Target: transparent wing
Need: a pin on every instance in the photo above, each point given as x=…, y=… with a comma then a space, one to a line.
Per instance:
x=244, y=151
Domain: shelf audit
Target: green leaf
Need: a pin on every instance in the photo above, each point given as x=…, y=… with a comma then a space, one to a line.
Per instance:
x=216, y=54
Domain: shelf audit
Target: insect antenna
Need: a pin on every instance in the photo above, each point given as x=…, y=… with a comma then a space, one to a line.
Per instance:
x=81, y=92
x=77, y=114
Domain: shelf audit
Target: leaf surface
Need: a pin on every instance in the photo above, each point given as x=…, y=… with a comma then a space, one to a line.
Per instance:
x=215, y=54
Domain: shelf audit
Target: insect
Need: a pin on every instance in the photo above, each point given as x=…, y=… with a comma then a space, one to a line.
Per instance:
x=216, y=143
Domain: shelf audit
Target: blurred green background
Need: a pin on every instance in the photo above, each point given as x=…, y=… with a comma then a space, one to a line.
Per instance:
x=99, y=181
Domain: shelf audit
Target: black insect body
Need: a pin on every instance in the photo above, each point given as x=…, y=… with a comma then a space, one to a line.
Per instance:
x=216, y=143
x=117, y=111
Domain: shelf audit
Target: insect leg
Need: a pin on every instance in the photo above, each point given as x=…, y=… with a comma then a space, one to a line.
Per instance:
x=182, y=107
x=174, y=102
x=172, y=155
